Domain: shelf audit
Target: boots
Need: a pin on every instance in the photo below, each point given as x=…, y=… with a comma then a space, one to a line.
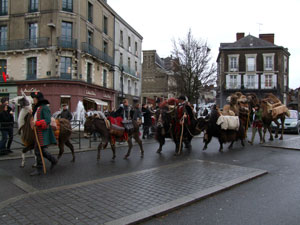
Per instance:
x=36, y=172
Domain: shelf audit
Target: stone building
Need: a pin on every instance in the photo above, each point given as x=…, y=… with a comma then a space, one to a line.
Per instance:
x=128, y=54
x=158, y=81
x=252, y=64
x=63, y=48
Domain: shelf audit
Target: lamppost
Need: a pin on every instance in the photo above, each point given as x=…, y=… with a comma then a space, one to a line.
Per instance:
x=121, y=68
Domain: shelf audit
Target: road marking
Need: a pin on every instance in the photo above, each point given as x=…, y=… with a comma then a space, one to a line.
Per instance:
x=17, y=182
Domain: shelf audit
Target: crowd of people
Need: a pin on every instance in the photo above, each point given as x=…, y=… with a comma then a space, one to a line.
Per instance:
x=142, y=114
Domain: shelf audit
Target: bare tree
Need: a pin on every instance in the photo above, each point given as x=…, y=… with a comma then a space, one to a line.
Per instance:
x=193, y=68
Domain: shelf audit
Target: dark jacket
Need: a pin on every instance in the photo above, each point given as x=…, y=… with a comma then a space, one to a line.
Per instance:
x=147, y=117
x=122, y=111
x=6, y=120
x=66, y=115
x=137, y=114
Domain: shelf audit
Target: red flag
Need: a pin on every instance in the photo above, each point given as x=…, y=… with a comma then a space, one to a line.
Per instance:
x=4, y=76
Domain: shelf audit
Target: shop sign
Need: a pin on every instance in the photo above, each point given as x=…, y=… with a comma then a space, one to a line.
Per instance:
x=107, y=96
x=30, y=90
x=90, y=93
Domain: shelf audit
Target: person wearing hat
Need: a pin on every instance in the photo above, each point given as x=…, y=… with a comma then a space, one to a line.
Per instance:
x=42, y=118
x=257, y=124
x=65, y=113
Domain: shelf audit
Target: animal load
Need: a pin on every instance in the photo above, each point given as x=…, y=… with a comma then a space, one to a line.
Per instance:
x=279, y=110
x=116, y=130
x=229, y=122
x=276, y=106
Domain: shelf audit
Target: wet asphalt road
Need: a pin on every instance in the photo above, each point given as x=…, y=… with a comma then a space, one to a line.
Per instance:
x=271, y=199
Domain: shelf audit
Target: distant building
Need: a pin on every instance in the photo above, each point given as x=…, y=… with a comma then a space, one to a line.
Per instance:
x=128, y=54
x=252, y=64
x=158, y=81
x=66, y=49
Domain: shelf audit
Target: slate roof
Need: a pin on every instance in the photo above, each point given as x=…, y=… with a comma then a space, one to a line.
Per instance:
x=249, y=42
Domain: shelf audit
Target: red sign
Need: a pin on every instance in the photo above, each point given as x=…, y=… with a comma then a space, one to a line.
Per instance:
x=4, y=76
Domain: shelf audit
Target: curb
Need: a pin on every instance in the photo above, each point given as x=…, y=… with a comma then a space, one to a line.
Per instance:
x=281, y=147
x=184, y=201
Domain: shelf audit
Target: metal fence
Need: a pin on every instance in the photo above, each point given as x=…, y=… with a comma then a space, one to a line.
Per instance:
x=17, y=143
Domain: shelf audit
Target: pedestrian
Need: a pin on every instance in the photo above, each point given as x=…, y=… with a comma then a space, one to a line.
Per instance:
x=257, y=124
x=65, y=113
x=147, y=121
x=10, y=125
x=137, y=114
x=6, y=124
x=123, y=110
x=45, y=136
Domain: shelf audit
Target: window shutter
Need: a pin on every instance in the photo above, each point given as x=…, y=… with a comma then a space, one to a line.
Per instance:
x=256, y=81
x=245, y=81
x=238, y=81
x=274, y=77
x=227, y=81
x=262, y=80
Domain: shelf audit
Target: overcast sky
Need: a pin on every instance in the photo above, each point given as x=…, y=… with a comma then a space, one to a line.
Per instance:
x=216, y=21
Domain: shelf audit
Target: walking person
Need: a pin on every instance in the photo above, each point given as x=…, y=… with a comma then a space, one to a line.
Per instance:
x=147, y=121
x=10, y=125
x=65, y=113
x=6, y=122
x=257, y=124
x=137, y=114
x=41, y=120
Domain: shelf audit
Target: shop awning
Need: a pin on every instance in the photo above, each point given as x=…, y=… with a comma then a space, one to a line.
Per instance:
x=97, y=101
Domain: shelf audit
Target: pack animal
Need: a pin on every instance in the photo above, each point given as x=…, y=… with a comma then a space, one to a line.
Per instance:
x=211, y=129
x=27, y=134
x=267, y=117
x=181, y=129
x=108, y=134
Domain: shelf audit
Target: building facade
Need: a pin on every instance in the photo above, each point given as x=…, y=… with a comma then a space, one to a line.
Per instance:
x=128, y=54
x=63, y=48
x=252, y=64
x=158, y=81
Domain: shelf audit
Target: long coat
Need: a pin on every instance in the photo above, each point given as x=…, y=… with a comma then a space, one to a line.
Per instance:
x=45, y=133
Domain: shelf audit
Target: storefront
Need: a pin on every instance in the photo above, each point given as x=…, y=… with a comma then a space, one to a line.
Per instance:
x=70, y=93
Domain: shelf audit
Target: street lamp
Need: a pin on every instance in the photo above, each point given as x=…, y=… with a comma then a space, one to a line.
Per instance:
x=121, y=68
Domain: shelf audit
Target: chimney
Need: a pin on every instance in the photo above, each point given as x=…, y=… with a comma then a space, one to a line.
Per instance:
x=239, y=36
x=267, y=37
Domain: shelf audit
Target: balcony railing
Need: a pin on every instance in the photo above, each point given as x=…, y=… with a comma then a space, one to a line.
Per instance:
x=3, y=13
x=24, y=44
x=87, y=48
x=130, y=71
x=89, y=80
x=31, y=77
x=66, y=76
x=63, y=42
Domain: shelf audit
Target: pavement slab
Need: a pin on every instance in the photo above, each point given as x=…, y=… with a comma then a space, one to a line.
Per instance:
x=127, y=198
x=288, y=144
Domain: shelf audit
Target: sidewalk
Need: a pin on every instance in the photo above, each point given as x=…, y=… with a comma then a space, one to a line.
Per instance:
x=292, y=143
x=125, y=199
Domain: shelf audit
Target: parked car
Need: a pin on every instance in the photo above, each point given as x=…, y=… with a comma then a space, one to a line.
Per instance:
x=291, y=124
